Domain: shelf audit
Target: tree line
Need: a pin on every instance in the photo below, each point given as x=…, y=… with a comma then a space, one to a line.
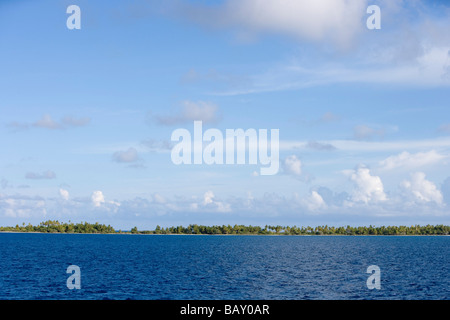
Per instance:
x=294, y=230
x=54, y=226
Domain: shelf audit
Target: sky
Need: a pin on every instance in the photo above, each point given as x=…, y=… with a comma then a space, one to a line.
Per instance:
x=88, y=114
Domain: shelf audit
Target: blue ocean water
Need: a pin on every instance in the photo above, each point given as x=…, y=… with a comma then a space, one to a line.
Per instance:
x=33, y=266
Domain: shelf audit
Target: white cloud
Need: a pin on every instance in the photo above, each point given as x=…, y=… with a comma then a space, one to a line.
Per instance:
x=206, y=112
x=19, y=206
x=337, y=21
x=293, y=166
x=201, y=110
x=157, y=198
x=323, y=201
x=64, y=194
x=368, y=188
x=407, y=160
x=37, y=208
x=411, y=48
x=427, y=70
x=421, y=189
x=314, y=201
x=372, y=146
x=127, y=156
x=208, y=197
x=47, y=122
x=223, y=207
x=97, y=198
x=208, y=201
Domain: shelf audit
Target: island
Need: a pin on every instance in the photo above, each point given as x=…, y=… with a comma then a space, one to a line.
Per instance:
x=54, y=226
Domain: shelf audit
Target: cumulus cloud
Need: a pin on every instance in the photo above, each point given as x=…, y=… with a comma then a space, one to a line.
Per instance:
x=209, y=201
x=40, y=176
x=207, y=206
x=421, y=189
x=292, y=166
x=338, y=21
x=407, y=160
x=97, y=198
x=20, y=206
x=64, y=194
x=208, y=197
x=96, y=204
x=414, y=52
x=314, y=201
x=157, y=198
x=368, y=188
x=38, y=208
x=192, y=111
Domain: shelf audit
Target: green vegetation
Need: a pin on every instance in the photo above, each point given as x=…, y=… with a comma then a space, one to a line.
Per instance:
x=51, y=226
x=320, y=230
x=57, y=227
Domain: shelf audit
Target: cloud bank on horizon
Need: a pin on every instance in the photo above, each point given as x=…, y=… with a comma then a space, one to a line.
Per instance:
x=363, y=115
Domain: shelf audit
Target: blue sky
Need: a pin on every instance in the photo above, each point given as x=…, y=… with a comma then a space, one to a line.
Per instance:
x=87, y=114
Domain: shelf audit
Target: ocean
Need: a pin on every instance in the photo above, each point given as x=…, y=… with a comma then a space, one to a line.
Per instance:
x=204, y=267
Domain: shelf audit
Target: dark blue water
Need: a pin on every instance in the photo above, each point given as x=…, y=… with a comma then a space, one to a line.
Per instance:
x=33, y=266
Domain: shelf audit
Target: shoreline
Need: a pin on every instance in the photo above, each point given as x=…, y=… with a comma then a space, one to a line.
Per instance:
x=260, y=235
x=57, y=227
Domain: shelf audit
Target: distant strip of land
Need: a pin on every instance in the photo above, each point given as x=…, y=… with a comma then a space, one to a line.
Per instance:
x=51, y=226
